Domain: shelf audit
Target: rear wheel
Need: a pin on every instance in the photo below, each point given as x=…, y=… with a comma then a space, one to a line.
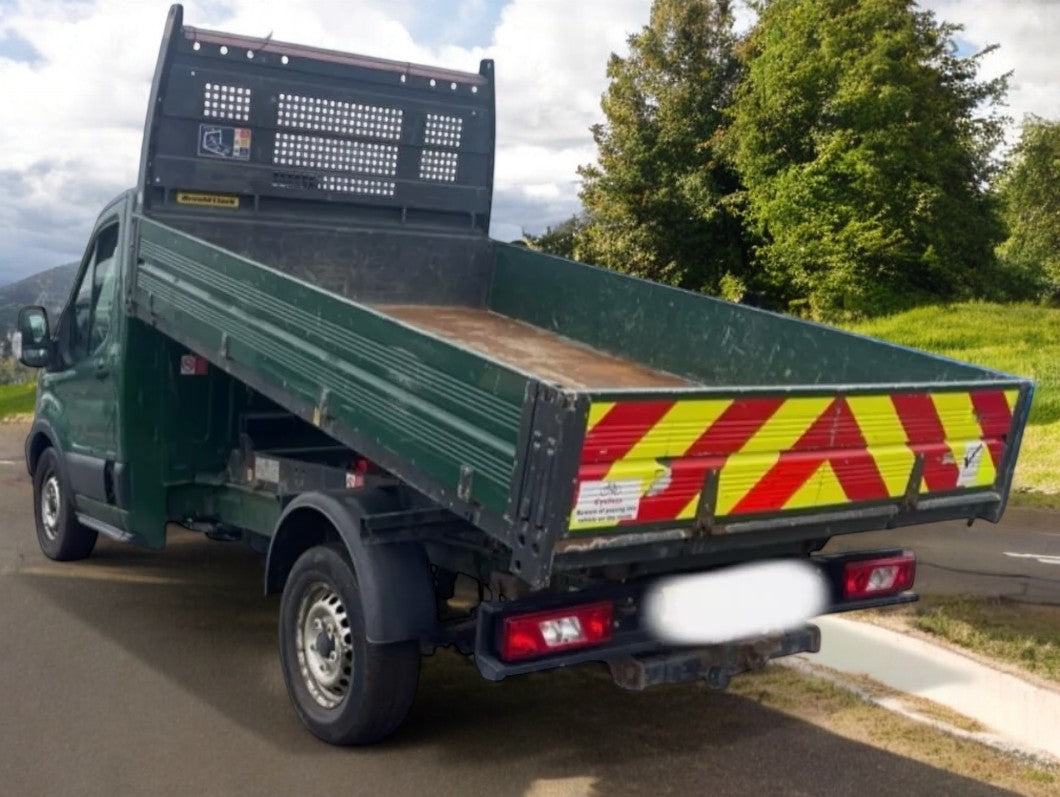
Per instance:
x=60, y=535
x=345, y=689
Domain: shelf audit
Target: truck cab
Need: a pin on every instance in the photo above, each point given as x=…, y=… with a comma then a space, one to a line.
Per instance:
x=78, y=407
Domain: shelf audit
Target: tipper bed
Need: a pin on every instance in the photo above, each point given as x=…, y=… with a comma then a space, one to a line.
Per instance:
x=316, y=225
x=540, y=353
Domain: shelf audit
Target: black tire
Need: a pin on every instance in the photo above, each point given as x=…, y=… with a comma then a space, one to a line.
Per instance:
x=374, y=685
x=60, y=536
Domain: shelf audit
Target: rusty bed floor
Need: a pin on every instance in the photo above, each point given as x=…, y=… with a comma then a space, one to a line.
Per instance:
x=532, y=349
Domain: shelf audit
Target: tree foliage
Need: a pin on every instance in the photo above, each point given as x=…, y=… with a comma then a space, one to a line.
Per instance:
x=656, y=201
x=562, y=240
x=860, y=136
x=1029, y=189
x=836, y=161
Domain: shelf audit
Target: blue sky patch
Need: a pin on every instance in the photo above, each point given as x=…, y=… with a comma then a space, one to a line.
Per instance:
x=14, y=48
x=465, y=23
x=965, y=47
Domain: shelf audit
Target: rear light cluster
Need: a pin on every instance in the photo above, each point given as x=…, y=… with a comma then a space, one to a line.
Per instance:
x=526, y=636
x=870, y=578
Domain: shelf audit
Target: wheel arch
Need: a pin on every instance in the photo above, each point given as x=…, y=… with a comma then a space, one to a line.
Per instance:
x=40, y=437
x=394, y=579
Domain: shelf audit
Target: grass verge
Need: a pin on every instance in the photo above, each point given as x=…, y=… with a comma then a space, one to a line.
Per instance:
x=1033, y=498
x=1023, y=636
x=17, y=399
x=829, y=706
x=1021, y=339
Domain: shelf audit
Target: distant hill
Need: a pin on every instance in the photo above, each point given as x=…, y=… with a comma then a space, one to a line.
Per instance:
x=49, y=288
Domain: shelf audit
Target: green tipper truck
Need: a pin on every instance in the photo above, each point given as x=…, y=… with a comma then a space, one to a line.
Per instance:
x=296, y=332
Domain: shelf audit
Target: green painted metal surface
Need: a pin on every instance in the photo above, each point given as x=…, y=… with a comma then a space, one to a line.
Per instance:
x=176, y=430
x=437, y=407
x=229, y=504
x=711, y=342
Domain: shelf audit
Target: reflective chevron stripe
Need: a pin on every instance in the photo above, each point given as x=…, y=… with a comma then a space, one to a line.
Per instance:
x=646, y=461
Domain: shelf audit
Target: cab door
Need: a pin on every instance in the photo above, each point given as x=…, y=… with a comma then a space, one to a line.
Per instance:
x=84, y=380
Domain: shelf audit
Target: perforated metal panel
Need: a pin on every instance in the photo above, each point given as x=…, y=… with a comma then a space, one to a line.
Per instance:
x=336, y=116
x=444, y=130
x=435, y=165
x=284, y=128
x=334, y=154
x=226, y=102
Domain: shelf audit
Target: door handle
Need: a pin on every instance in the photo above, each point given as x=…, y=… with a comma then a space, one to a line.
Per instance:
x=102, y=370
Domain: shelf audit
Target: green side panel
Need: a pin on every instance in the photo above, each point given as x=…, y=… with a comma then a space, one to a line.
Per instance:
x=144, y=436
x=246, y=509
x=187, y=419
x=176, y=429
x=707, y=340
x=432, y=406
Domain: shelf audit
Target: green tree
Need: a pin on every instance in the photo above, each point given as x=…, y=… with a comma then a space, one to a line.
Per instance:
x=864, y=142
x=656, y=200
x=560, y=240
x=1029, y=189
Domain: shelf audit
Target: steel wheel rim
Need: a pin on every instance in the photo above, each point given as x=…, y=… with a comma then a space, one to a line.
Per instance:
x=51, y=503
x=324, y=645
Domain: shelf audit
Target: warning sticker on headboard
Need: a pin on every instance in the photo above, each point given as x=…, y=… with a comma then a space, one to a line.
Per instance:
x=217, y=141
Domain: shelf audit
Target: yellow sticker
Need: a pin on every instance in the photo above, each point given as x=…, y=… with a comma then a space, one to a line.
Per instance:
x=211, y=200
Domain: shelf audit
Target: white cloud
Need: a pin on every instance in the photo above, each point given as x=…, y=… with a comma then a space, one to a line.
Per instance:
x=73, y=115
x=71, y=135
x=1029, y=33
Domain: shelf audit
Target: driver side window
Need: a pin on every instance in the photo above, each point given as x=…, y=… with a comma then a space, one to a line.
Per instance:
x=91, y=311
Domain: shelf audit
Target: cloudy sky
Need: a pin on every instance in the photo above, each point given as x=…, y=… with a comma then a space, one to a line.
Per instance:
x=74, y=77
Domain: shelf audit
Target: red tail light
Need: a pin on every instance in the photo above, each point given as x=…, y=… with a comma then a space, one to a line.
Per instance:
x=871, y=578
x=527, y=635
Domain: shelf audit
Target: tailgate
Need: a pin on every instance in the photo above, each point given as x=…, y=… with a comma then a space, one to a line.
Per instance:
x=675, y=460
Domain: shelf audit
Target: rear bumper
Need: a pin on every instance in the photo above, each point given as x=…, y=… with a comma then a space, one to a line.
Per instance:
x=715, y=664
x=638, y=659
x=637, y=663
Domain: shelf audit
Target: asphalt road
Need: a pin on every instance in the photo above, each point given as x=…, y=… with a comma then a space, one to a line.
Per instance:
x=137, y=672
x=1018, y=558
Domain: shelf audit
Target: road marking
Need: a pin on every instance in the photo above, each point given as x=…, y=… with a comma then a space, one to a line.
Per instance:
x=562, y=787
x=9, y=462
x=95, y=573
x=1044, y=558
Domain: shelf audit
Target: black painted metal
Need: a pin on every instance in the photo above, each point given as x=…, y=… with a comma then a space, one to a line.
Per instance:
x=1007, y=469
x=874, y=603
x=85, y=474
x=716, y=664
x=542, y=490
x=394, y=581
x=373, y=265
x=655, y=661
x=676, y=549
x=290, y=131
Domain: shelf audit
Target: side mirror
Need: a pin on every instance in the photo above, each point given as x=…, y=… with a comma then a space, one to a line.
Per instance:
x=33, y=341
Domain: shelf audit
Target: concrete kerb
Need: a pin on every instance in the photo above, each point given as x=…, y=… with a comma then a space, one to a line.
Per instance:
x=1019, y=716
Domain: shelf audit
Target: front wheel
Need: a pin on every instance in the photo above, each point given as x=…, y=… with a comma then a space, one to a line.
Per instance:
x=59, y=533
x=345, y=689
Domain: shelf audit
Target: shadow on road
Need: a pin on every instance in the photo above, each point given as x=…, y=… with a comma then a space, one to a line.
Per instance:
x=195, y=613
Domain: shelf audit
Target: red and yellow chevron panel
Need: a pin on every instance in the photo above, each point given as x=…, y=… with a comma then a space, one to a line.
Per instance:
x=646, y=461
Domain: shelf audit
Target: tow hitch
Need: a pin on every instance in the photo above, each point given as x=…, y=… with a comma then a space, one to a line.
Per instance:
x=715, y=664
